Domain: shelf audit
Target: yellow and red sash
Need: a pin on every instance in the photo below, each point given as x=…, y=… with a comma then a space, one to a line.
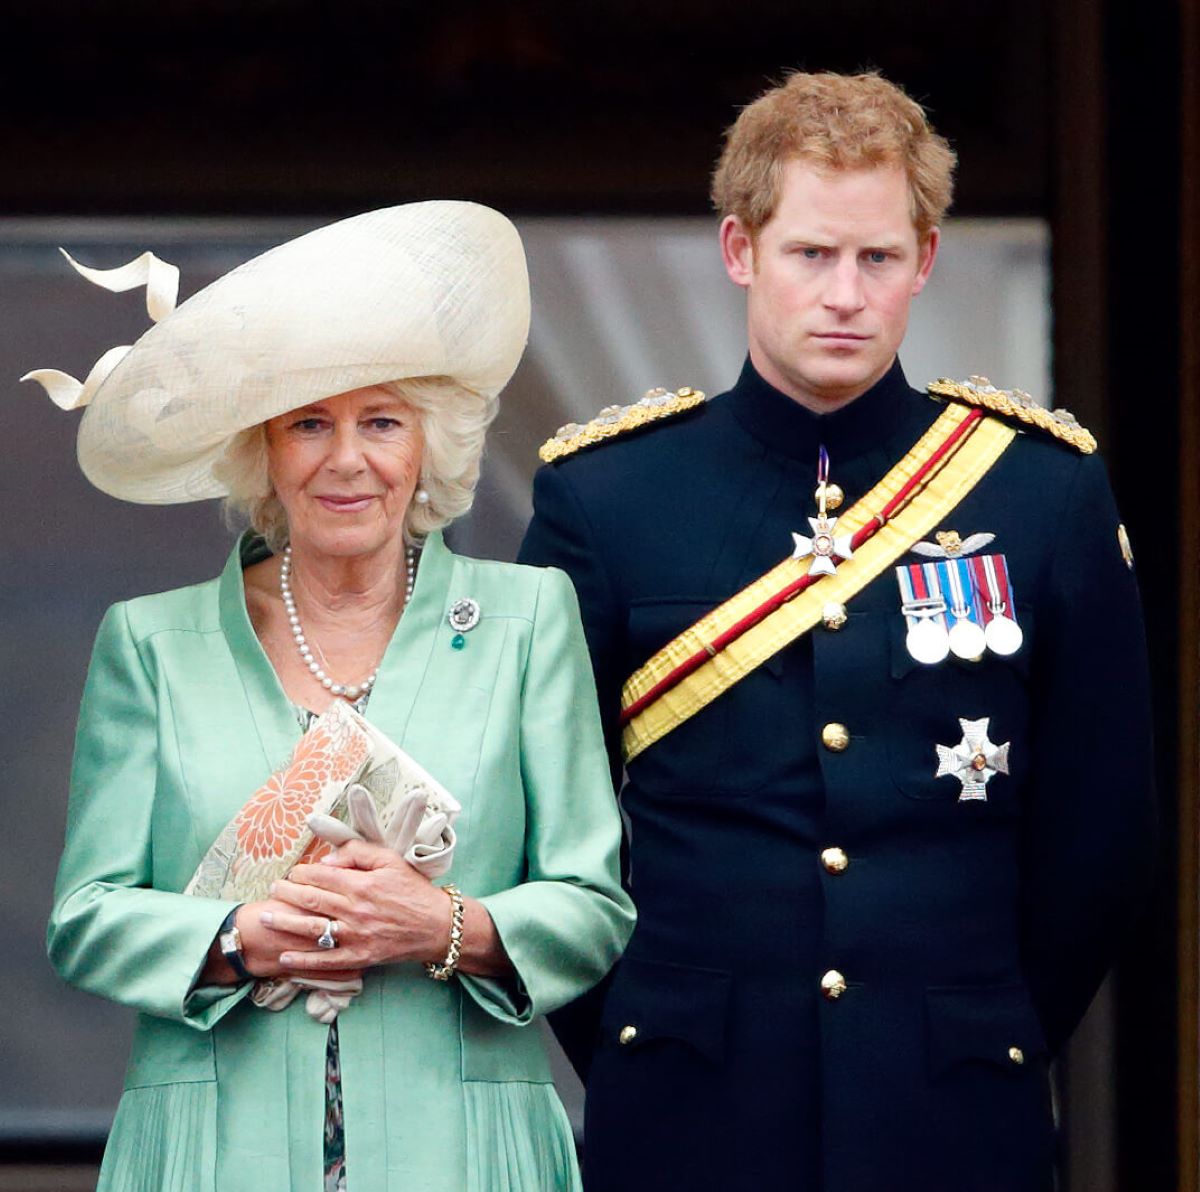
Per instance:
x=710, y=656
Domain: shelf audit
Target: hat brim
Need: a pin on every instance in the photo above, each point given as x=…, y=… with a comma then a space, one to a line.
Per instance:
x=427, y=289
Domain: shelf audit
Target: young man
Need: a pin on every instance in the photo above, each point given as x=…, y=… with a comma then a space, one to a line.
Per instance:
x=873, y=659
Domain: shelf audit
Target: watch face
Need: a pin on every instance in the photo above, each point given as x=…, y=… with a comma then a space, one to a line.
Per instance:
x=230, y=941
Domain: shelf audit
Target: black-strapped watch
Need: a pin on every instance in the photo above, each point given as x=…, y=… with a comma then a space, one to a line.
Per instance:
x=229, y=940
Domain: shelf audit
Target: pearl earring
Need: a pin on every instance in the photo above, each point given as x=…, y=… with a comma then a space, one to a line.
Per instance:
x=422, y=497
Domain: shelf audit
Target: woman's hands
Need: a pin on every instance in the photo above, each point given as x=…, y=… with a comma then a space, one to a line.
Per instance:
x=262, y=946
x=265, y=942
x=385, y=912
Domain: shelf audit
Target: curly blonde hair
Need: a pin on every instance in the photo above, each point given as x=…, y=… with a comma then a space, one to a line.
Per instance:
x=454, y=422
x=836, y=122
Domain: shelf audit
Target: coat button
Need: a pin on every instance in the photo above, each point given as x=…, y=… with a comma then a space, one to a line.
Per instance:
x=833, y=985
x=1016, y=1055
x=833, y=496
x=833, y=615
x=834, y=737
x=834, y=860
x=628, y=1034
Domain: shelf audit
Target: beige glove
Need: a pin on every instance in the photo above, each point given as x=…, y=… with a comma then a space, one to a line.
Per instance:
x=421, y=835
x=326, y=999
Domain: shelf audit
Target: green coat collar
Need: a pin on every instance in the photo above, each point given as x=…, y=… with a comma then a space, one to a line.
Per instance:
x=400, y=670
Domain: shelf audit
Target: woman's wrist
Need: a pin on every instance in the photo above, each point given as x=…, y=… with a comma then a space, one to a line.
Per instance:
x=229, y=940
x=483, y=953
x=226, y=964
x=445, y=968
x=217, y=970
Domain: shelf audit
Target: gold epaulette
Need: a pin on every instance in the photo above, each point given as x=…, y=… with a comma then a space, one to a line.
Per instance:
x=616, y=420
x=1013, y=403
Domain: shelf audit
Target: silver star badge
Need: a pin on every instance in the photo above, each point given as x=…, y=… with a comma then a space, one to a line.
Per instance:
x=823, y=546
x=973, y=760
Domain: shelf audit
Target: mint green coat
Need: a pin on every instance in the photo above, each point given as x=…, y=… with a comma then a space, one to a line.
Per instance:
x=446, y=1088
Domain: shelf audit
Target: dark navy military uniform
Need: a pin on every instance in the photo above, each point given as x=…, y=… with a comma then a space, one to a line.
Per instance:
x=971, y=935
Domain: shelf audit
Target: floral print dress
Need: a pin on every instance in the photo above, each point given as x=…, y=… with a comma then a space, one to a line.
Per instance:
x=335, y=1131
x=335, y=1128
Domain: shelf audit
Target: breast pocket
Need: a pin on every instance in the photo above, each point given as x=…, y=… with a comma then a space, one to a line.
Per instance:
x=721, y=749
x=978, y=712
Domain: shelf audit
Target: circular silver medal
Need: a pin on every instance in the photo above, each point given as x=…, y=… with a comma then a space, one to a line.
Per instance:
x=1003, y=635
x=967, y=640
x=927, y=641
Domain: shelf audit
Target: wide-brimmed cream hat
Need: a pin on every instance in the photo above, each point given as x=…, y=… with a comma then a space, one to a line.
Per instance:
x=427, y=289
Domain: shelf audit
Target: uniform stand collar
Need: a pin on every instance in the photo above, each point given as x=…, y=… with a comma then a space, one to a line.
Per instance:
x=787, y=427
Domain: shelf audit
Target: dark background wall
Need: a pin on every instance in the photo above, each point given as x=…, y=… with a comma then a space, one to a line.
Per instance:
x=265, y=106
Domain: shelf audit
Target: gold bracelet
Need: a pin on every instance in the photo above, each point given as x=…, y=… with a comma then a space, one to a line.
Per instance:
x=449, y=966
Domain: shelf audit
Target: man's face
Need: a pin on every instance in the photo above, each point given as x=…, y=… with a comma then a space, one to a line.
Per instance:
x=829, y=280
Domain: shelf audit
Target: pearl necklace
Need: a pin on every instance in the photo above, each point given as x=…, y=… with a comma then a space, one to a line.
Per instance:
x=349, y=690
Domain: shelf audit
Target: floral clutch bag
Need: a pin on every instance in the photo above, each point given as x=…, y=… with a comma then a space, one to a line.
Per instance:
x=346, y=780
x=272, y=833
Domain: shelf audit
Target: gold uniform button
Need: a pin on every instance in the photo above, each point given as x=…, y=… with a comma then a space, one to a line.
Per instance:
x=833, y=615
x=833, y=496
x=835, y=737
x=1016, y=1055
x=628, y=1034
x=835, y=860
x=833, y=985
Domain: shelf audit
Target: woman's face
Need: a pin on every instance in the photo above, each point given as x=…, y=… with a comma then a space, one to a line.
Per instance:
x=345, y=469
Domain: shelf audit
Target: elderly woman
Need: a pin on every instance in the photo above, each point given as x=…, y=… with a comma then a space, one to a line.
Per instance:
x=337, y=389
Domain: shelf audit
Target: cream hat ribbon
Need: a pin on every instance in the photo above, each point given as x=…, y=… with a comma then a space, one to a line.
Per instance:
x=162, y=291
x=430, y=289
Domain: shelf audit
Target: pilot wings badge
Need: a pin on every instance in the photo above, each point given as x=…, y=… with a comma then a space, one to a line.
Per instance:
x=950, y=545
